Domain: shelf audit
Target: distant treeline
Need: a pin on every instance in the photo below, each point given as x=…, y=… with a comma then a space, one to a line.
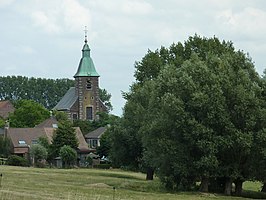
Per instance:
x=47, y=92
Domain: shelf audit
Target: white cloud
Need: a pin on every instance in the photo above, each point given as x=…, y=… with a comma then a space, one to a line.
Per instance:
x=136, y=8
x=249, y=22
x=4, y=3
x=47, y=21
x=61, y=15
x=75, y=15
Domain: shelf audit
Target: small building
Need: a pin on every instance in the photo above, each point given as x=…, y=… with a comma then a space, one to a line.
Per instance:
x=93, y=137
x=6, y=107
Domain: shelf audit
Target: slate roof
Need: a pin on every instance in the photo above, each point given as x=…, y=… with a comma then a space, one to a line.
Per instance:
x=67, y=101
x=96, y=133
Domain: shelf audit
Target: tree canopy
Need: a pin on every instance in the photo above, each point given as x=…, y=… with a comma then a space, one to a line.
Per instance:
x=194, y=112
x=47, y=92
x=28, y=113
x=64, y=135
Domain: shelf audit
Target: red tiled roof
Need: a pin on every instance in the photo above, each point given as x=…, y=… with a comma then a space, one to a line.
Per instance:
x=30, y=135
x=6, y=107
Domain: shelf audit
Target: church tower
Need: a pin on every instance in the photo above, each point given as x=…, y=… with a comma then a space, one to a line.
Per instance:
x=87, y=86
x=83, y=101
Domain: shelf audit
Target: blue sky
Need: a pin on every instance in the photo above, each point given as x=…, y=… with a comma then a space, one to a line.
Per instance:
x=44, y=38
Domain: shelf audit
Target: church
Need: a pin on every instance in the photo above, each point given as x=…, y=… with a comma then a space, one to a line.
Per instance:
x=82, y=101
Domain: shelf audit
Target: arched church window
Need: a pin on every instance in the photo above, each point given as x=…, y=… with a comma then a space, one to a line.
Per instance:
x=89, y=85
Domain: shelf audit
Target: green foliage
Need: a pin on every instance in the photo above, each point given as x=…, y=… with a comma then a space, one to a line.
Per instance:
x=89, y=160
x=106, y=99
x=126, y=149
x=2, y=123
x=195, y=112
x=28, y=114
x=38, y=153
x=43, y=141
x=68, y=155
x=88, y=126
x=63, y=135
x=47, y=92
x=5, y=146
x=17, y=161
x=104, y=148
x=60, y=116
x=85, y=126
x=102, y=166
x=44, y=91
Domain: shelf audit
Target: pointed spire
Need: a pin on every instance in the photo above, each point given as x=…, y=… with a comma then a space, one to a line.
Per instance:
x=86, y=67
x=86, y=31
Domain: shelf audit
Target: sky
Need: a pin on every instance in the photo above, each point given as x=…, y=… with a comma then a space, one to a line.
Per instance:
x=44, y=38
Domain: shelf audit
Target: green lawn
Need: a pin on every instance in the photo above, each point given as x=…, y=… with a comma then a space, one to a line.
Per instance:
x=80, y=184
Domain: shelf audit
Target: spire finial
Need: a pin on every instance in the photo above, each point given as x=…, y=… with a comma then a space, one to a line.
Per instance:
x=86, y=31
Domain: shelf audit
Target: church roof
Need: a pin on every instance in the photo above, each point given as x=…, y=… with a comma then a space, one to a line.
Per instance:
x=67, y=101
x=86, y=67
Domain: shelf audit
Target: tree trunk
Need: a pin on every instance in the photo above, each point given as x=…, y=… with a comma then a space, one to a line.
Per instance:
x=204, y=185
x=239, y=185
x=263, y=189
x=149, y=174
x=228, y=186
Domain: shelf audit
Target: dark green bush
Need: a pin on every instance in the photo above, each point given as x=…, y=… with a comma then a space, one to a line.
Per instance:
x=17, y=161
x=103, y=166
x=253, y=195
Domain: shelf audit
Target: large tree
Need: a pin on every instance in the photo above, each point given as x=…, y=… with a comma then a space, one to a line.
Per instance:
x=196, y=108
x=63, y=135
x=28, y=113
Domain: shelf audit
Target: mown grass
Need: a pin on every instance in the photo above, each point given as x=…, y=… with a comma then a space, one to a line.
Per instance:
x=80, y=184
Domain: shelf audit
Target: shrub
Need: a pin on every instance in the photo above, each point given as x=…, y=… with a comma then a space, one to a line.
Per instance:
x=103, y=166
x=68, y=156
x=17, y=161
x=38, y=153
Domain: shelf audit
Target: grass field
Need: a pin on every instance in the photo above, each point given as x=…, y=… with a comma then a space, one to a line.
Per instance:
x=20, y=183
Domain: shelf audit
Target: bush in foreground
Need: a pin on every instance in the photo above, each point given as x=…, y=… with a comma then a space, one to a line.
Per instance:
x=17, y=161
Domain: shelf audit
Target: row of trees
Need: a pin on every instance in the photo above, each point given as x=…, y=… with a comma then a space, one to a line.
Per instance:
x=195, y=113
x=47, y=92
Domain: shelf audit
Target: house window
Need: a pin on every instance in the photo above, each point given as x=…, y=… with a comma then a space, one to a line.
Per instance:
x=89, y=113
x=22, y=143
x=34, y=141
x=93, y=143
x=89, y=85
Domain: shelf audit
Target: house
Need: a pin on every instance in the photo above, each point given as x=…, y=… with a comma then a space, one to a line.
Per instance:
x=6, y=107
x=93, y=137
x=82, y=101
x=23, y=138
